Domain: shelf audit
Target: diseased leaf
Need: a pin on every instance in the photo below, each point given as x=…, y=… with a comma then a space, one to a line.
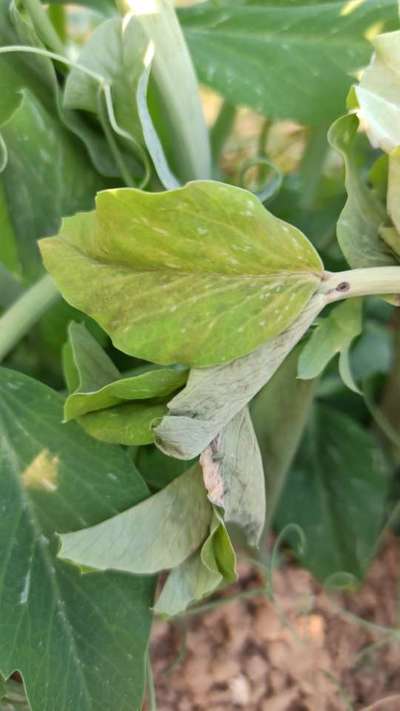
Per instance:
x=201, y=574
x=332, y=335
x=199, y=275
x=358, y=228
x=158, y=534
x=60, y=629
x=336, y=492
x=378, y=93
x=99, y=385
x=213, y=396
x=234, y=476
x=286, y=60
x=279, y=413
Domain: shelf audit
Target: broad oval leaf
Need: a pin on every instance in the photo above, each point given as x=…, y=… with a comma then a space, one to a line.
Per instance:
x=286, y=60
x=64, y=632
x=158, y=534
x=198, y=275
x=342, y=471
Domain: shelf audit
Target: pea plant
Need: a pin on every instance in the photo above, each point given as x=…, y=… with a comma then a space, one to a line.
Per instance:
x=199, y=352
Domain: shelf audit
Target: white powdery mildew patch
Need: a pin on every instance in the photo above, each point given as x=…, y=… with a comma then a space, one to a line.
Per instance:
x=212, y=478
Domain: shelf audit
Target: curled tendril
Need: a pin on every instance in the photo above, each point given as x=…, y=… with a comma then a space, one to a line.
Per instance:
x=299, y=549
x=269, y=185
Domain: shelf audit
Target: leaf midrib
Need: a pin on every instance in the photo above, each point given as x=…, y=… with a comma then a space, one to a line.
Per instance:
x=27, y=512
x=182, y=272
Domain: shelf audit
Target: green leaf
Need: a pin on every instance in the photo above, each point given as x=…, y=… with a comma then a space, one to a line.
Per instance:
x=234, y=476
x=115, y=51
x=19, y=71
x=279, y=413
x=358, y=228
x=39, y=191
x=213, y=396
x=198, y=275
x=156, y=468
x=74, y=638
x=284, y=60
x=158, y=534
x=373, y=352
x=46, y=177
x=336, y=492
x=97, y=383
x=129, y=424
x=333, y=334
x=111, y=408
x=393, y=207
x=8, y=245
x=378, y=93
x=201, y=574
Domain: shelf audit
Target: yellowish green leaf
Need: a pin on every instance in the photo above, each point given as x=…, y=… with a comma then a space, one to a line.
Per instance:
x=199, y=275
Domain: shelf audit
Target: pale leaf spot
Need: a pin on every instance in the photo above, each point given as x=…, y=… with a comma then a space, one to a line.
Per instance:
x=23, y=598
x=212, y=476
x=42, y=472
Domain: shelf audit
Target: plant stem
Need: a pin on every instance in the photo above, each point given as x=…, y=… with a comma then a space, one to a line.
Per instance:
x=23, y=314
x=371, y=281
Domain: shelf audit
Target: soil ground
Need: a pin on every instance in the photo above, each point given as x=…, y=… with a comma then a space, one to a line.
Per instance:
x=305, y=650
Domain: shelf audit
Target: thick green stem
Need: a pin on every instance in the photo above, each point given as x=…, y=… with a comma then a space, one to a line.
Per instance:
x=23, y=314
x=372, y=281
